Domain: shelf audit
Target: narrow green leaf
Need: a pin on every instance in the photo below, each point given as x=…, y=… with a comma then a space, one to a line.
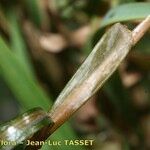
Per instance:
x=25, y=88
x=126, y=12
x=17, y=42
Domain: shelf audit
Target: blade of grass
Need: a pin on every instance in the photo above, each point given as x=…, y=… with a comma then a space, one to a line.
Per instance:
x=19, y=80
x=17, y=41
x=126, y=12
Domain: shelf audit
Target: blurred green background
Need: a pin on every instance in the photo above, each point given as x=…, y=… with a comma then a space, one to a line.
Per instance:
x=42, y=43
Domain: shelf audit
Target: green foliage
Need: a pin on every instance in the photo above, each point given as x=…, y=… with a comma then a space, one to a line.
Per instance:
x=126, y=12
x=18, y=78
x=16, y=67
x=17, y=42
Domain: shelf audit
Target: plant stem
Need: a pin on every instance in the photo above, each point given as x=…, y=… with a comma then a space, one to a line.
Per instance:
x=94, y=72
x=137, y=34
x=140, y=30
